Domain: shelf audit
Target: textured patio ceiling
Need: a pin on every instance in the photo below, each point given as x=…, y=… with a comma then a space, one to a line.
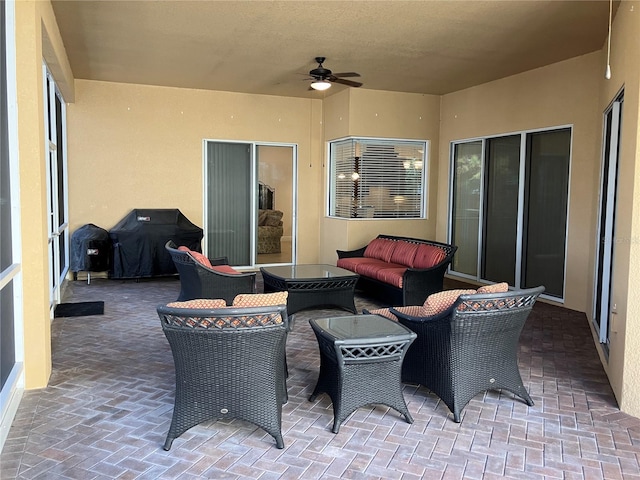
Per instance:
x=267, y=47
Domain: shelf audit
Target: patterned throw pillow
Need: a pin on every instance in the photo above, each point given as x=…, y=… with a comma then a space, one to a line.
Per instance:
x=437, y=303
x=274, y=218
x=412, y=311
x=199, y=303
x=260, y=299
x=494, y=288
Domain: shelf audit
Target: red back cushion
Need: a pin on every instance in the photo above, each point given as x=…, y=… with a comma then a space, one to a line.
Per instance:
x=380, y=248
x=404, y=253
x=224, y=269
x=197, y=256
x=428, y=256
x=200, y=258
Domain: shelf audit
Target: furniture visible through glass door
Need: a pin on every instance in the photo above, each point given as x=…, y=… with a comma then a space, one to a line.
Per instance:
x=249, y=202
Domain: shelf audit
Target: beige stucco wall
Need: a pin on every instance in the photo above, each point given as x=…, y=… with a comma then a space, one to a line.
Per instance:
x=37, y=37
x=372, y=113
x=141, y=146
x=556, y=95
x=623, y=363
x=137, y=146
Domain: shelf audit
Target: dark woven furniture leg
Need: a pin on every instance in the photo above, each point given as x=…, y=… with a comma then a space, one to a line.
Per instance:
x=473, y=349
x=314, y=292
x=304, y=295
x=357, y=381
x=224, y=373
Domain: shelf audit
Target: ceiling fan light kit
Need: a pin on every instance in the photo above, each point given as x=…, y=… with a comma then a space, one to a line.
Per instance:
x=323, y=77
x=320, y=85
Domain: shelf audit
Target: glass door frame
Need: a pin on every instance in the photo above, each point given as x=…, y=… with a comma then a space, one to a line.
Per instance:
x=521, y=202
x=605, y=236
x=254, y=176
x=58, y=229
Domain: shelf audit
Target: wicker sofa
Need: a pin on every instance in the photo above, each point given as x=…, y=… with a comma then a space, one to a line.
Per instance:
x=399, y=270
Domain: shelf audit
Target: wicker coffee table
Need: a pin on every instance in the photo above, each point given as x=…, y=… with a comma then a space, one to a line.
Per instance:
x=312, y=286
x=360, y=363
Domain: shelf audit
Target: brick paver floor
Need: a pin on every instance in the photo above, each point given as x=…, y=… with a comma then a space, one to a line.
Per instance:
x=108, y=406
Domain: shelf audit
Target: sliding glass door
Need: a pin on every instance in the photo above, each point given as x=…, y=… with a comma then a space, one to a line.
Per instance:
x=249, y=202
x=501, y=209
x=229, y=180
x=602, y=308
x=545, y=212
x=508, y=214
x=56, y=161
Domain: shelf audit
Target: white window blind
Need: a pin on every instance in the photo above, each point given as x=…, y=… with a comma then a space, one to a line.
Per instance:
x=377, y=178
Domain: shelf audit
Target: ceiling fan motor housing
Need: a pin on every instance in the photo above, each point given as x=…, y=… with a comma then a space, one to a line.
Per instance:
x=320, y=73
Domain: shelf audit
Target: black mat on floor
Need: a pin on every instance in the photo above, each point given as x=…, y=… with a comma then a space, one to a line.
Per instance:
x=79, y=309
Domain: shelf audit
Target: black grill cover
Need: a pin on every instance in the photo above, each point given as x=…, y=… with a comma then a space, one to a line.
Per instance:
x=139, y=240
x=90, y=249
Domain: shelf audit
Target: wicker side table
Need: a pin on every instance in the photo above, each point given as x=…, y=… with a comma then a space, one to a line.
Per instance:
x=360, y=363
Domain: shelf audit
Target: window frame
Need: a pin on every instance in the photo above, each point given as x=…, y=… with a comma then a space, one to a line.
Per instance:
x=13, y=388
x=369, y=186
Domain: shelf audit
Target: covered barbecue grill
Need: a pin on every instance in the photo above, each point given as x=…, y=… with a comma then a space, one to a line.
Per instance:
x=90, y=250
x=139, y=239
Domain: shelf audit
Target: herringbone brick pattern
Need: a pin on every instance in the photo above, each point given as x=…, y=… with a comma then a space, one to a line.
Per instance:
x=108, y=406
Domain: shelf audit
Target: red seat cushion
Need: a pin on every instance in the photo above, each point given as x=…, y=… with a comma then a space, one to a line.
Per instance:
x=502, y=287
x=428, y=256
x=352, y=263
x=413, y=311
x=360, y=264
x=372, y=269
x=392, y=276
x=199, y=303
x=260, y=299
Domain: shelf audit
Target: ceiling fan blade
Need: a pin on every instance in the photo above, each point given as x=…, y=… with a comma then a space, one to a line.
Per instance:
x=346, y=74
x=345, y=82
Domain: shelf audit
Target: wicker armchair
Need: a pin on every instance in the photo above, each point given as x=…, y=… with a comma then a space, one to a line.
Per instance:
x=229, y=363
x=199, y=281
x=471, y=349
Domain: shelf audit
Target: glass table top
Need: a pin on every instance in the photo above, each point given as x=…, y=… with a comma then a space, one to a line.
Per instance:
x=302, y=272
x=370, y=327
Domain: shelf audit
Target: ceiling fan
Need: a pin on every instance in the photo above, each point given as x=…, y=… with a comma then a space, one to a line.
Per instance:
x=323, y=77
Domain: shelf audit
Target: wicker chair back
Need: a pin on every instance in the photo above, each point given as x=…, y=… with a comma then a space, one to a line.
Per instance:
x=229, y=363
x=471, y=350
x=198, y=281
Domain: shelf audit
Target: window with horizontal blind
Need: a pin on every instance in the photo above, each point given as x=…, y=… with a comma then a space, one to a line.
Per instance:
x=377, y=178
